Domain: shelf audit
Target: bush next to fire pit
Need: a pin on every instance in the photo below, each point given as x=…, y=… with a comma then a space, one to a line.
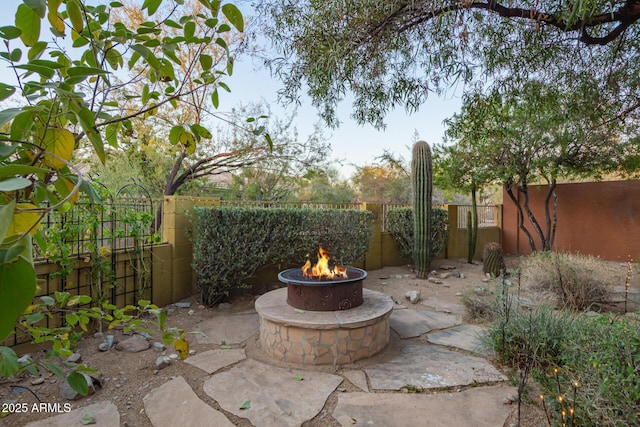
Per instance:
x=400, y=225
x=231, y=243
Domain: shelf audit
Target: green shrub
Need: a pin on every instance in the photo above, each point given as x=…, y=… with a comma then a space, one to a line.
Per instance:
x=536, y=337
x=586, y=364
x=400, y=225
x=231, y=243
x=599, y=371
x=578, y=281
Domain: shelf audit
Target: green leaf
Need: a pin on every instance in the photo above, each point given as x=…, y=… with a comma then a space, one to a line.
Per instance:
x=7, y=115
x=78, y=382
x=298, y=378
x=215, y=100
x=74, y=12
x=246, y=404
x=28, y=21
x=175, y=133
x=9, y=32
x=6, y=217
x=15, y=169
x=6, y=91
x=9, y=365
x=151, y=6
x=85, y=71
x=200, y=131
x=36, y=51
x=234, y=16
x=189, y=30
x=13, y=184
x=47, y=300
x=88, y=418
x=17, y=286
x=34, y=318
x=206, y=61
x=225, y=347
x=55, y=369
x=38, y=6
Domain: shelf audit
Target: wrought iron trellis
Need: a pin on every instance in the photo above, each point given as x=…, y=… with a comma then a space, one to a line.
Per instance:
x=98, y=249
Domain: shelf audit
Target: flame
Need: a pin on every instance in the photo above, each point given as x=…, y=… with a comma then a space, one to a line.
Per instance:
x=321, y=269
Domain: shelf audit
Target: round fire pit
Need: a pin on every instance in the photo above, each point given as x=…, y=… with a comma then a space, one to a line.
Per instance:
x=323, y=294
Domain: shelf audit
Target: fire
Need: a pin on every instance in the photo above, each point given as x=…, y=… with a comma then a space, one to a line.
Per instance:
x=321, y=269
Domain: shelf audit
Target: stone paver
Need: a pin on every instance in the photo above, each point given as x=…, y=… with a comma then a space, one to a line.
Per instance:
x=105, y=414
x=231, y=329
x=477, y=407
x=413, y=323
x=276, y=398
x=213, y=360
x=175, y=404
x=465, y=337
x=357, y=378
x=437, y=304
x=429, y=366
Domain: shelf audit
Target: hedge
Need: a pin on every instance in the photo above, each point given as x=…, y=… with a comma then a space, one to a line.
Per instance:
x=231, y=243
x=400, y=225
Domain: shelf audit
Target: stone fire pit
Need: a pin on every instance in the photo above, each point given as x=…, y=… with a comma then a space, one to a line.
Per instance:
x=323, y=322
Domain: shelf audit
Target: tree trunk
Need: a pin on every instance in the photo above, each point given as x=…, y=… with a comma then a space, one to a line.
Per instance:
x=521, y=226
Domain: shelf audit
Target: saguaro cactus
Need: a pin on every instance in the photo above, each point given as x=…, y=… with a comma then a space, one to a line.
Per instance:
x=421, y=181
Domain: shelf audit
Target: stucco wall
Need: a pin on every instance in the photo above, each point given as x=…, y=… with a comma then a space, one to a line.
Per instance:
x=595, y=218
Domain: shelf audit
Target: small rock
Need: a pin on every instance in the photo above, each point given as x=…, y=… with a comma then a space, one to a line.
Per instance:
x=158, y=346
x=462, y=276
x=458, y=294
x=192, y=352
x=182, y=304
x=170, y=311
x=413, y=296
x=25, y=359
x=107, y=343
x=162, y=362
x=482, y=291
x=445, y=275
x=98, y=335
x=508, y=400
x=191, y=312
x=434, y=280
x=173, y=356
x=456, y=273
x=74, y=358
x=224, y=305
x=37, y=381
x=433, y=273
x=147, y=335
x=507, y=282
x=485, y=280
x=201, y=307
x=135, y=344
x=398, y=276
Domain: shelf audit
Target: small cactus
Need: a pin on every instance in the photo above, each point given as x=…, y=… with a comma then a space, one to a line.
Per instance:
x=493, y=259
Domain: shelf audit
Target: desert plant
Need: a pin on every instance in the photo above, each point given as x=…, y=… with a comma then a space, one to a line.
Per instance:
x=400, y=225
x=493, y=259
x=578, y=281
x=422, y=185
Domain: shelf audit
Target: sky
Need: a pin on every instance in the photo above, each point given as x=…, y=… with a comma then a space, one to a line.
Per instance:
x=352, y=144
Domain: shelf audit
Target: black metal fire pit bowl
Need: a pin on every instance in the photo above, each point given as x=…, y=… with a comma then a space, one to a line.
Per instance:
x=310, y=294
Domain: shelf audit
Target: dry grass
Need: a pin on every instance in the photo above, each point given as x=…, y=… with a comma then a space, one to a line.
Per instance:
x=577, y=281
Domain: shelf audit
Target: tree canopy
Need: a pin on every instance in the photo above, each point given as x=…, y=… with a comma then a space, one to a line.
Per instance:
x=70, y=97
x=388, y=54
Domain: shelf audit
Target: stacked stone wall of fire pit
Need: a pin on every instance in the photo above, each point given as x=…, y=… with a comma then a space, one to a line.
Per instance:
x=323, y=337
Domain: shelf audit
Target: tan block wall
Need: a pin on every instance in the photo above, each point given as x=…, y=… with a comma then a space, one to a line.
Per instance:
x=457, y=246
